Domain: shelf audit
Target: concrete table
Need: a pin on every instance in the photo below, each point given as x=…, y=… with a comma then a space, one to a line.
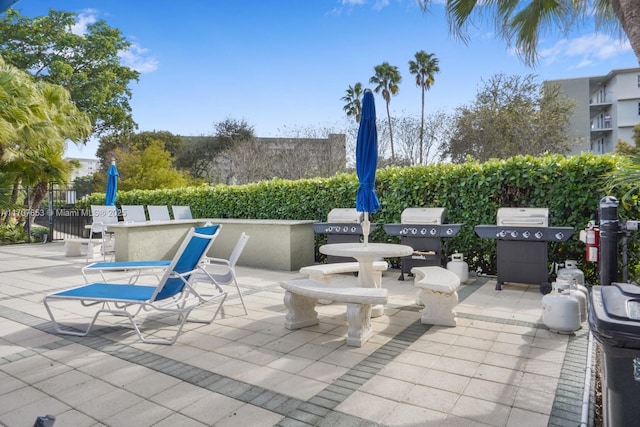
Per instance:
x=366, y=255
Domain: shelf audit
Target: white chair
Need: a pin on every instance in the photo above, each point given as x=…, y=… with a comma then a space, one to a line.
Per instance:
x=133, y=213
x=222, y=271
x=102, y=217
x=181, y=212
x=158, y=213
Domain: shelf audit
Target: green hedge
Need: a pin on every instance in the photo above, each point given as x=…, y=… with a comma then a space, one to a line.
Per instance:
x=571, y=187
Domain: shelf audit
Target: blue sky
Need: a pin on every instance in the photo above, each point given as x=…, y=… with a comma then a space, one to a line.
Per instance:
x=284, y=65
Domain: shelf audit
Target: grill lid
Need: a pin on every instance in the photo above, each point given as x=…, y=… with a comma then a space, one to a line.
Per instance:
x=423, y=216
x=523, y=217
x=345, y=216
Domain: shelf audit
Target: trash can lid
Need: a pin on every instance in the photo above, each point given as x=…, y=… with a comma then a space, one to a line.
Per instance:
x=614, y=315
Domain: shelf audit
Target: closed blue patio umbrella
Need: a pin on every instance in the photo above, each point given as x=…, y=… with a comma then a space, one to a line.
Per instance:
x=112, y=184
x=367, y=162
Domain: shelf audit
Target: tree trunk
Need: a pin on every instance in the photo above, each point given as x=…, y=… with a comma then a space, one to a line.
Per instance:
x=628, y=13
x=422, y=127
x=393, y=154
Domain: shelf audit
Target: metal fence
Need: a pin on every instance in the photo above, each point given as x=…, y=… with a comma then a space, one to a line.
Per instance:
x=56, y=211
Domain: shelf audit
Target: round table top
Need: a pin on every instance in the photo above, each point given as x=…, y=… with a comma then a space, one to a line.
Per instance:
x=356, y=250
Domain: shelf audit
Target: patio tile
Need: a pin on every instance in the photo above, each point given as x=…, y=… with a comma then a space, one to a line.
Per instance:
x=142, y=414
x=367, y=406
x=407, y=415
x=444, y=381
x=108, y=404
x=491, y=391
x=430, y=398
x=522, y=418
x=211, y=408
x=482, y=411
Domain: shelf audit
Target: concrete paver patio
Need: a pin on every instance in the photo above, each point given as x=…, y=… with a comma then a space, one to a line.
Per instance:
x=500, y=366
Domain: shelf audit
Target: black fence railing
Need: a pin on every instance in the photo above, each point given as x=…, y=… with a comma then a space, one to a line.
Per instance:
x=55, y=210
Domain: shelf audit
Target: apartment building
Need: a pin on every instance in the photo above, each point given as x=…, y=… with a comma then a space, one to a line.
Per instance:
x=87, y=167
x=607, y=108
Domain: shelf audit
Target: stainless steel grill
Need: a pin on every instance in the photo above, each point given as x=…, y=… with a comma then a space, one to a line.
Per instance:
x=342, y=226
x=522, y=235
x=423, y=229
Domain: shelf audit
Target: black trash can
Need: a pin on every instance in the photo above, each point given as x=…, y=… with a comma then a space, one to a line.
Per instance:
x=614, y=319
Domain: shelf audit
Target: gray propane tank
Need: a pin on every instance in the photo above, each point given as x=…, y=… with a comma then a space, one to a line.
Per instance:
x=571, y=267
x=458, y=266
x=561, y=310
x=571, y=270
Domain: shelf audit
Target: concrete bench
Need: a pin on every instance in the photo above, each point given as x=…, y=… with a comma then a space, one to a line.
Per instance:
x=325, y=272
x=303, y=294
x=76, y=247
x=437, y=291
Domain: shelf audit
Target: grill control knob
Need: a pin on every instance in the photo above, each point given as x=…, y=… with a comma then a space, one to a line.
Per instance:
x=449, y=231
x=354, y=229
x=514, y=234
x=526, y=234
x=539, y=234
x=433, y=231
x=502, y=234
x=404, y=231
x=559, y=235
x=423, y=231
x=414, y=231
x=345, y=229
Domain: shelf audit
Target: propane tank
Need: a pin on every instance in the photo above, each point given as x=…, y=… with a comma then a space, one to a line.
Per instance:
x=568, y=285
x=571, y=269
x=459, y=267
x=560, y=310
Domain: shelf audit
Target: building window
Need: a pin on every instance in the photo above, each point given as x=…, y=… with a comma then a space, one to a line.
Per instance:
x=638, y=80
x=639, y=108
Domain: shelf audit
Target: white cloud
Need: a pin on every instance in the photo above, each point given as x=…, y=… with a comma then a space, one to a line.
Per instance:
x=85, y=18
x=380, y=4
x=585, y=50
x=136, y=58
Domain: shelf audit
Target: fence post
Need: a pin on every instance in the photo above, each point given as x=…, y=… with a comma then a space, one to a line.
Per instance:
x=50, y=213
x=609, y=228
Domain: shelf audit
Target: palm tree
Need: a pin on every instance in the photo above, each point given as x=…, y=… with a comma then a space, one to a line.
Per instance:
x=523, y=23
x=39, y=117
x=353, y=100
x=424, y=68
x=387, y=78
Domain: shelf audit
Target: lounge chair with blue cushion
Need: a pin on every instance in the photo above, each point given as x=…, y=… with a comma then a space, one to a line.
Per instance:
x=132, y=269
x=172, y=294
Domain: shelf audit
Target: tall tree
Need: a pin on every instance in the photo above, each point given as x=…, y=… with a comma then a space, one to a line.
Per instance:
x=174, y=144
x=424, y=68
x=511, y=115
x=148, y=168
x=87, y=65
x=522, y=22
x=353, y=101
x=387, y=78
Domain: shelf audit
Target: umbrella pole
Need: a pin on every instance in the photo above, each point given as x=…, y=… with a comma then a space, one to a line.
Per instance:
x=365, y=228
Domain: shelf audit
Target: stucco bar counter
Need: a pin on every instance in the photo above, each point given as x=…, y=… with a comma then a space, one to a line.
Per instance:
x=273, y=244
